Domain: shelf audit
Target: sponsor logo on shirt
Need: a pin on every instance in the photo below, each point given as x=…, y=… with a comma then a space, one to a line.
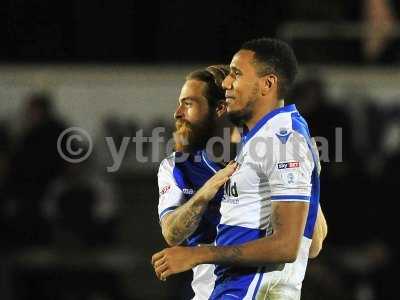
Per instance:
x=165, y=189
x=288, y=165
x=231, y=189
x=188, y=191
x=231, y=201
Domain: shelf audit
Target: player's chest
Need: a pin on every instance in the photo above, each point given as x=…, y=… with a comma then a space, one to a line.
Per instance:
x=247, y=180
x=194, y=175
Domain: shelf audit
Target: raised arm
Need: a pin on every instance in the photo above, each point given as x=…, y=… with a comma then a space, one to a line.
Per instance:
x=180, y=223
x=183, y=221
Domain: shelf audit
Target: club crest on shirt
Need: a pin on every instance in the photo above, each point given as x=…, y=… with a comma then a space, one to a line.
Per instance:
x=289, y=178
x=283, y=135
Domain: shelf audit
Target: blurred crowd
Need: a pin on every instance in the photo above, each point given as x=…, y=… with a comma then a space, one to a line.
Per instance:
x=43, y=196
x=47, y=203
x=361, y=251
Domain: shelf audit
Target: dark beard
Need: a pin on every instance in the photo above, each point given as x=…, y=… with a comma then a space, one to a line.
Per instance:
x=191, y=137
x=239, y=118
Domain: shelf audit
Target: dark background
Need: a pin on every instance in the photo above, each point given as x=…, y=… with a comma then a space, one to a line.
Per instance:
x=149, y=31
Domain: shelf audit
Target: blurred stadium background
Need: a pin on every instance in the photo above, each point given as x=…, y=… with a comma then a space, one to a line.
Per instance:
x=115, y=68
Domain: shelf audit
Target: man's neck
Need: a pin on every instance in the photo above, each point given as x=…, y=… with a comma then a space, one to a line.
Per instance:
x=260, y=112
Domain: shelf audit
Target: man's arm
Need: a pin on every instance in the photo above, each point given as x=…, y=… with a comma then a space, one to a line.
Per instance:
x=321, y=228
x=288, y=221
x=183, y=221
x=320, y=232
x=288, y=218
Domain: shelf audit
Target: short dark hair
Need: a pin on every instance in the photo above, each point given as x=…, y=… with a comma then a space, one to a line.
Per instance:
x=276, y=57
x=213, y=77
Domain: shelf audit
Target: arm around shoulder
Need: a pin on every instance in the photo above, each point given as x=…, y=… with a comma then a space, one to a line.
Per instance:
x=319, y=235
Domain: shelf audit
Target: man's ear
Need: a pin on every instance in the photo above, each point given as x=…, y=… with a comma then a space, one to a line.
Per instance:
x=221, y=108
x=269, y=82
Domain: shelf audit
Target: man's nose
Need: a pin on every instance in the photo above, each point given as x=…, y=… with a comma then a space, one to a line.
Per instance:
x=227, y=83
x=179, y=113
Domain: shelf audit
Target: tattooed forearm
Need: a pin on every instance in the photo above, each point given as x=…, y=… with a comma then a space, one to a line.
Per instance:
x=280, y=247
x=227, y=255
x=276, y=218
x=184, y=221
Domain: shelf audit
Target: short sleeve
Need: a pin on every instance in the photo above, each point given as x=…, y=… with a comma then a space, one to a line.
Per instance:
x=170, y=195
x=290, y=169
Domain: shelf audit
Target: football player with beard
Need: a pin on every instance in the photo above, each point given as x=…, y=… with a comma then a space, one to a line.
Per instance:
x=191, y=179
